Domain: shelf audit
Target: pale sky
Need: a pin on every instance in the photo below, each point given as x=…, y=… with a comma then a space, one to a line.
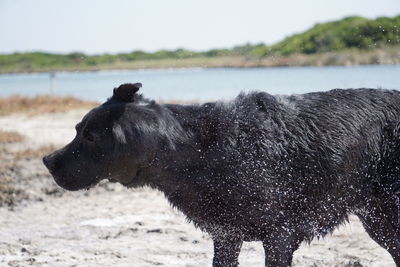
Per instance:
x=99, y=26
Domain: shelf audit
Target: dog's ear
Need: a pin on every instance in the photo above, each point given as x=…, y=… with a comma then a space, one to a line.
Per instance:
x=127, y=92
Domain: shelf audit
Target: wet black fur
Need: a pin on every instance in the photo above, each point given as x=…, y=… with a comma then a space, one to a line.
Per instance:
x=280, y=169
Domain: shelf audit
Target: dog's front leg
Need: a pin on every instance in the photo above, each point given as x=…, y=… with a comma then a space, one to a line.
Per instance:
x=226, y=251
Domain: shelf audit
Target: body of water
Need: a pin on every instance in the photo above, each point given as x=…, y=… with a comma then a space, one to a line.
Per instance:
x=202, y=84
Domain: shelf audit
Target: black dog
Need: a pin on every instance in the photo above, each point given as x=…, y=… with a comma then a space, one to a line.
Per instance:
x=277, y=169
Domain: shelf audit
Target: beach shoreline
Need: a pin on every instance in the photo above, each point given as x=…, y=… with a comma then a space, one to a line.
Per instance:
x=350, y=57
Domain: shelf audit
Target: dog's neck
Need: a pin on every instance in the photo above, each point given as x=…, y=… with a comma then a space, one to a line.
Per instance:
x=184, y=146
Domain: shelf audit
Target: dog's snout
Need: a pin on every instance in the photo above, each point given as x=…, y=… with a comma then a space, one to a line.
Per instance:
x=48, y=162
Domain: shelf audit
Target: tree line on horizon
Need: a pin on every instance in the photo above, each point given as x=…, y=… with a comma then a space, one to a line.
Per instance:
x=348, y=33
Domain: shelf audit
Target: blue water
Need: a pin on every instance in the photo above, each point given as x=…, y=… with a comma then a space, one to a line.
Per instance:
x=203, y=84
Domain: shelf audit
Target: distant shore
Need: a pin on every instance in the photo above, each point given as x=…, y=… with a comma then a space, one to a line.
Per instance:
x=350, y=57
x=349, y=41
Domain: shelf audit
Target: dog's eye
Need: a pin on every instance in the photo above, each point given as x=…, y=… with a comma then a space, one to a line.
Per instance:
x=89, y=137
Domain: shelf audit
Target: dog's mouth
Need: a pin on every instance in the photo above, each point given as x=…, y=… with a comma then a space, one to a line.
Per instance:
x=74, y=183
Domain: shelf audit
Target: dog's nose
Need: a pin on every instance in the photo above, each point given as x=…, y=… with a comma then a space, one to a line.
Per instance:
x=47, y=162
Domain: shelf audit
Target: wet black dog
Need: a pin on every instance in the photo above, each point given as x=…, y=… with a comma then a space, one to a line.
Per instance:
x=277, y=169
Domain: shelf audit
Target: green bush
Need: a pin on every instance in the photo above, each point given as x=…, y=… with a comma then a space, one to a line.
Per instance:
x=351, y=32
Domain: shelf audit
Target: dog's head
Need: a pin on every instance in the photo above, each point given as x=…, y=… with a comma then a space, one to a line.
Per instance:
x=113, y=141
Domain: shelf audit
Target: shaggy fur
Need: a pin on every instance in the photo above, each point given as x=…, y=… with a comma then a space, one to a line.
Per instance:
x=280, y=169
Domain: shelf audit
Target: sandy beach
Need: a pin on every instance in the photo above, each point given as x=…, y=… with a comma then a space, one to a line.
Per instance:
x=43, y=225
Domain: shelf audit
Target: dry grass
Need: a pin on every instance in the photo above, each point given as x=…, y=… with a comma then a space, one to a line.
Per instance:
x=9, y=195
x=10, y=137
x=14, y=185
x=41, y=104
x=12, y=182
x=8, y=191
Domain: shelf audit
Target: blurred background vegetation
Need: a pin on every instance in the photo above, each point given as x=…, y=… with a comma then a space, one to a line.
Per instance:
x=350, y=41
